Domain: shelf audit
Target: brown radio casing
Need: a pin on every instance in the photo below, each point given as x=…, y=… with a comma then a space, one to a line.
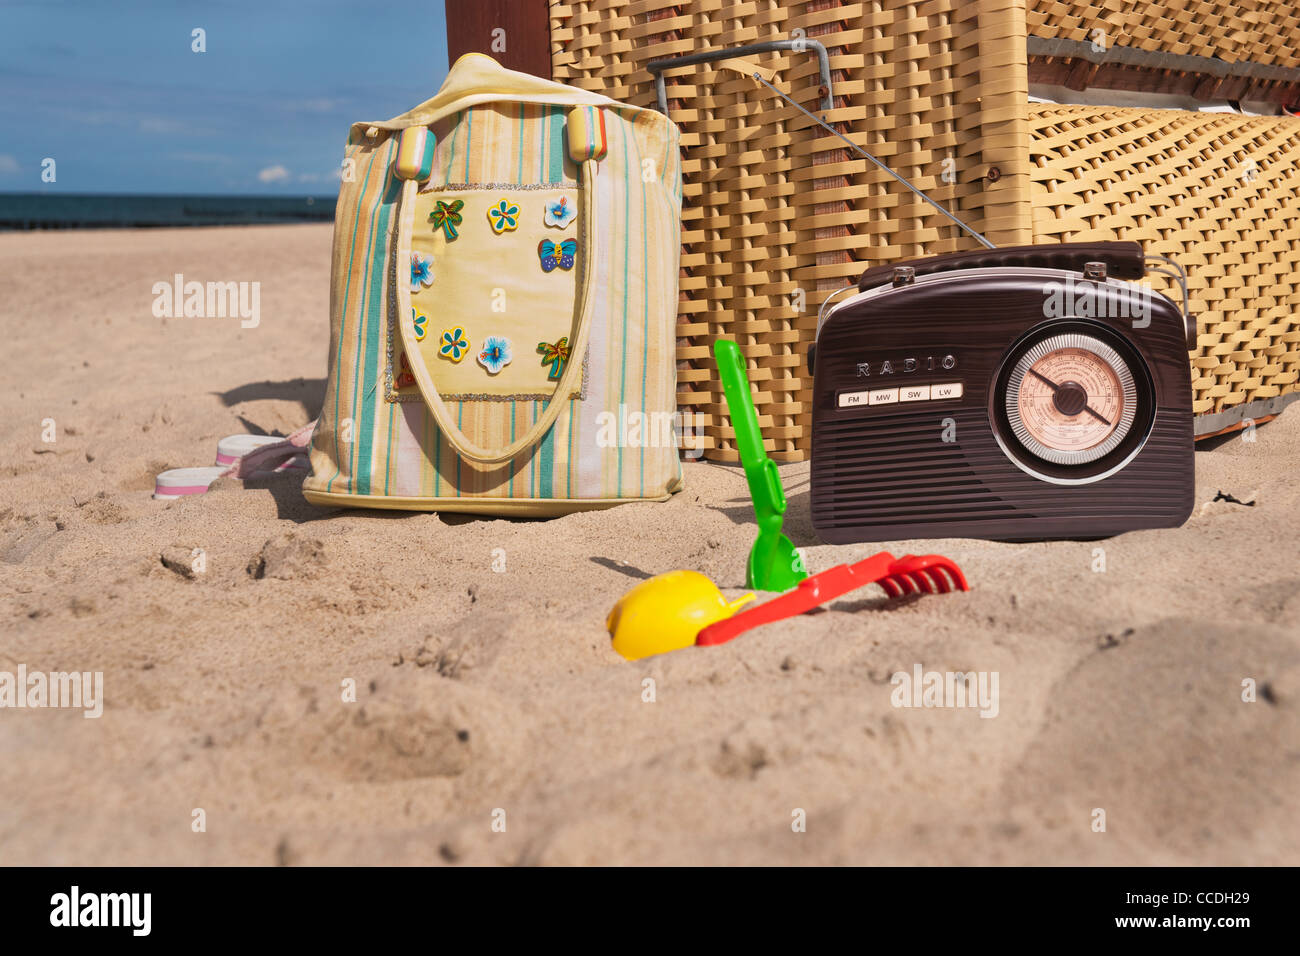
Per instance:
x=947, y=464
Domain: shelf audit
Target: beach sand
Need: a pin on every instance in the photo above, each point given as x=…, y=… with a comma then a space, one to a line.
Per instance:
x=489, y=697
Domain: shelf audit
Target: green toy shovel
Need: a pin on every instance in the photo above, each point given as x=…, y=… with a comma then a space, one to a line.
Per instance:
x=774, y=564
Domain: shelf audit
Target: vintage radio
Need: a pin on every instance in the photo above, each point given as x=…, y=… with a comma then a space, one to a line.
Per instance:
x=1013, y=394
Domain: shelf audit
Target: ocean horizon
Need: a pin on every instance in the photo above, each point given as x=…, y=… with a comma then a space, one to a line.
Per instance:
x=51, y=210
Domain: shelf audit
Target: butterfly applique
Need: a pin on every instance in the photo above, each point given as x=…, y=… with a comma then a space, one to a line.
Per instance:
x=553, y=255
x=554, y=355
x=446, y=216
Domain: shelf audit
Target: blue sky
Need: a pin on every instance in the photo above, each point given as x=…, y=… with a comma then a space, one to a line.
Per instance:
x=115, y=95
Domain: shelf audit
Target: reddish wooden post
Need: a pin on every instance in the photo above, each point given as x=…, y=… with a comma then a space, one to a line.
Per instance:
x=515, y=33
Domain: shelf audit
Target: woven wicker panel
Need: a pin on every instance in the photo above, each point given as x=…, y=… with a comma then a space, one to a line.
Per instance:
x=1260, y=31
x=777, y=212
x=1218, y=192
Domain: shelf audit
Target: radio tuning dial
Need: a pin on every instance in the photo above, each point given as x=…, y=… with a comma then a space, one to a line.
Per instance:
x=1070, y=399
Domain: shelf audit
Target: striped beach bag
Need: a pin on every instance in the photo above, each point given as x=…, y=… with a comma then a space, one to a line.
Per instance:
x=503, y=304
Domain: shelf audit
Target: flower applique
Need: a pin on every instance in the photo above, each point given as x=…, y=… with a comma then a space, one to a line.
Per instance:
x=553, y=254
x=554, y=355
x=454, y=344
x=559, y=212
x=404, y=378
x=504, y=217
x=446, y=216
x=420, y=321
x=421, y=271
x=495, y=354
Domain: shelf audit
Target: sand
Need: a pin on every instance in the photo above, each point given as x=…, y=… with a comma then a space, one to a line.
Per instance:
x=487, y=697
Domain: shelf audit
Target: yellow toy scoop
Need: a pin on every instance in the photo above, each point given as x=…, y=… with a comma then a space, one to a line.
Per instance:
x=665, y=613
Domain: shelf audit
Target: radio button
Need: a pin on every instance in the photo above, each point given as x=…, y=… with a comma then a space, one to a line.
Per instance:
x=947, y=390
x=915, y=393
x=849, y=399
x=883, y=396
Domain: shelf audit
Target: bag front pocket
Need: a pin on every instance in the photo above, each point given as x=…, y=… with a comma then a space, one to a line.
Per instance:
x=493, y=276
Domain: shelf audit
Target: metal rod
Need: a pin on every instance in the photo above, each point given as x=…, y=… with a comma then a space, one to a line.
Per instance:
x=1211, y=422
x=1179, y=275
x=828, y=300
x=1158, y=60
x=854, y=146
x=800, y=45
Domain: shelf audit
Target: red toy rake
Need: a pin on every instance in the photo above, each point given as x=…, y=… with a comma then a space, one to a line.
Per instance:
x=910, y=574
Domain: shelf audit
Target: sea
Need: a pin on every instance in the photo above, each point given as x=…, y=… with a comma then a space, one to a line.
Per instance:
x=49, y=210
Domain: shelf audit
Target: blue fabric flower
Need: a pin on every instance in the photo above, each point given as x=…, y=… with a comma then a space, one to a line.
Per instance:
x=495, y=354
x=421, y=271
x=560, y=212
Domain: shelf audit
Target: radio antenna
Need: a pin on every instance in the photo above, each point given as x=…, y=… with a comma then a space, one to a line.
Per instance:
x=862, y=152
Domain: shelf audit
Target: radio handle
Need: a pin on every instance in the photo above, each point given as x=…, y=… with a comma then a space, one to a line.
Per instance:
x=821, y=312
x=1124, y=260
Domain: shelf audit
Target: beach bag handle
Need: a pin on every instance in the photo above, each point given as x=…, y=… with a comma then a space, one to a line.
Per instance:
x=572, y=369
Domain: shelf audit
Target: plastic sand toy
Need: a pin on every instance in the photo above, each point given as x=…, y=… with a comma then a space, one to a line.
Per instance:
x=774, y=564
x=681, y=608
x=929, y=574
x=665, y=613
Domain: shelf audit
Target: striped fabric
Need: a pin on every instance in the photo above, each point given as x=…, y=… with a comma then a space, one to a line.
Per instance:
x=587, y=136
x=415, y=148
x=614, y=445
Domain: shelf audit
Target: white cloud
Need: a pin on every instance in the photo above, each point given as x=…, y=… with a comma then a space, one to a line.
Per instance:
x=8, y=165
x=273, y=174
